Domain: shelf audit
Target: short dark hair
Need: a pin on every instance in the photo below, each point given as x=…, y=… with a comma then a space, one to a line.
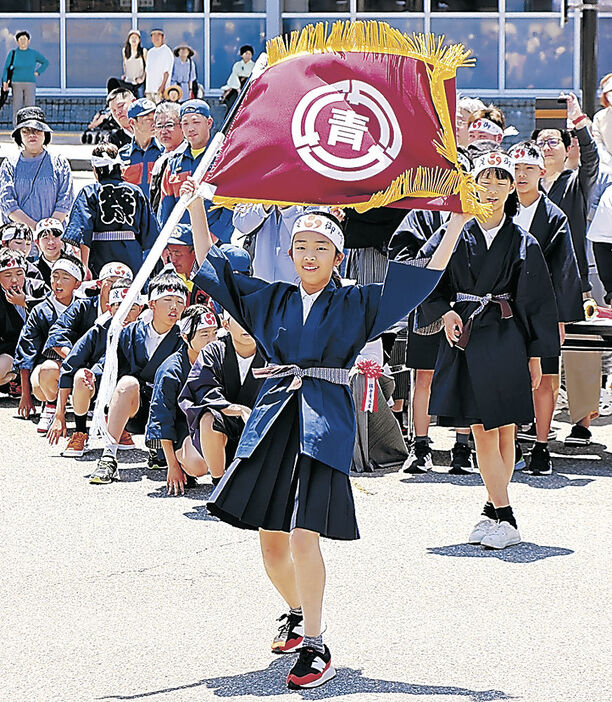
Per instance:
x=194, y=312
x=170, y=280
x=245, y=48
x=566, y=137
x=110, y=150
x=19, y=140
x=530, y=148
x=25, y=228
x=118, y=92
x=22, y=33
x=73, y=259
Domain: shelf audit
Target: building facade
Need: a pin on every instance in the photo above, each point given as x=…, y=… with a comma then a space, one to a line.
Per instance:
x=523, y=47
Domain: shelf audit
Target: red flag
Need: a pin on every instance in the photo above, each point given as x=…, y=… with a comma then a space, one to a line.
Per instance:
x=362, y=117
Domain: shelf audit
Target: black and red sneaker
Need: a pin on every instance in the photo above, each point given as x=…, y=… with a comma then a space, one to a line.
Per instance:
x=290, y=633
x=311, y=669
x=14, y=388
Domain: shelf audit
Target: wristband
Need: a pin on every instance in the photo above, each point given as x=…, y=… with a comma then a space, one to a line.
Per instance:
x=579, y=119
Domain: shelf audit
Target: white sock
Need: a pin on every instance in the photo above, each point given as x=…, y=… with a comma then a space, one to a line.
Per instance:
x=110, y=450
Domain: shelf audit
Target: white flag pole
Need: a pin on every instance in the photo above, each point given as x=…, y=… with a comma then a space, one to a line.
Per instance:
x=110, y=371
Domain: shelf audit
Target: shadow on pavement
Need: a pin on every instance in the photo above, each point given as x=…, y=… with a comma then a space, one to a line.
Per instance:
x=349, y=681
x=201, y=492
x=524, y=552
x=201, y=513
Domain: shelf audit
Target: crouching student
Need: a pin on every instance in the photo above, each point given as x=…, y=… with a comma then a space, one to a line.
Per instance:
x=39, y=376
x=81, y=371
x=17, y=236
x=167, y=427
x=496, y=304
x=290, y=479
x=143, y=346
x=48, y=235
x=219, y=394
x=18, y=295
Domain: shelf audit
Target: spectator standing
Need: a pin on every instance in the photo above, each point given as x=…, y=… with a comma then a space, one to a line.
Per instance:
x=140, y=155
x=34, y=184
x=184, y=72
x=134, y=63
x=169, y=134
x=241, y=71
x=466, y=106
x=160, y=61
x=118, y=101
x=27, y=64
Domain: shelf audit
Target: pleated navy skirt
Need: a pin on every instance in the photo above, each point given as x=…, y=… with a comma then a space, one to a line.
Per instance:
x=279, y=489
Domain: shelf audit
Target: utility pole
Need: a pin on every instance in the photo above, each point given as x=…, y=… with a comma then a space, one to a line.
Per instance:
x=588, y=55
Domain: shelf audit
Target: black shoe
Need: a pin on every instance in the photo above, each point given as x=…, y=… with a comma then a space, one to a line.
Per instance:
x=519, y=459
x=311, y=669
x=578, y=436
x=419, y=460
x=461, y=460
x=539, y=463
x=156, y=460
x=191, y=482
x=290, y=634
x=530, y=434
x=105, y=472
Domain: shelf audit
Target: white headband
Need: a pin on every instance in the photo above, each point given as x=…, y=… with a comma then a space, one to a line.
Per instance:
x=520, y=155
x=205, y=321
x=11, y=264
x=115, y=270
x=464, y=161
x=105, y=160
x=116, y=295
x=485, y=125
x=313, y=222
x=63, y=264
x=494, y=159
x=167, y=292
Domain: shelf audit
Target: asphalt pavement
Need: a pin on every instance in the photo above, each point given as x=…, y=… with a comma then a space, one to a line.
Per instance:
x=122, y=593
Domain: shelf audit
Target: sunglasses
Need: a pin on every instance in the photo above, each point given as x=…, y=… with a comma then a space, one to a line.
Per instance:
x=548, y=142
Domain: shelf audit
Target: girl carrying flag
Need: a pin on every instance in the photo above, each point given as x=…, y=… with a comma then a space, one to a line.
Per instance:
x=290, y=479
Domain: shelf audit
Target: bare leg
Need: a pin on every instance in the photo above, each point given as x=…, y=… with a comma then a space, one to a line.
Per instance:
x=6, y=363
x=309, y=576
x=494, y=467
x=37, y=391
x=48, y=379
x=191, y=461
x=124, y=404
x=420, y=402
x=213, y=446
x=278, y=564
x=81, y=394
x=544, y=402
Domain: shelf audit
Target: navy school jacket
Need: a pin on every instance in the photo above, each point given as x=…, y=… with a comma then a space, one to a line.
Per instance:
x=29, y=351
x=340, y=323
x=214, y=384
x=87, y=352
x=166, y=421
x=114, y=219
x=11, y=320
x=550, y=228
x=78, y=318
x=490, y=380
x=413, y=231
x=132, y=353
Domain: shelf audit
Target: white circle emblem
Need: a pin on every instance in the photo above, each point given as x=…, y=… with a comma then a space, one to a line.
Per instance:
x=345, y=128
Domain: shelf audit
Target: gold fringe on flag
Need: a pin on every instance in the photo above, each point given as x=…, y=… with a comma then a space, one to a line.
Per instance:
x=441, y=62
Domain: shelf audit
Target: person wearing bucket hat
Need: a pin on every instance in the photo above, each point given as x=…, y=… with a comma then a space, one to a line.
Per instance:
x=184, y=72
x=34, y=184
x=144, y=149
x=160, y=60
x=241, y=71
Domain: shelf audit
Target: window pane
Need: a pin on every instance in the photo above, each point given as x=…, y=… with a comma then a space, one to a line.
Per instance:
x=316, y=6
x=479, y=35
x=98, y=5
x=237, y=5
x=389, y=5
x=533, y=5
x=178, y=31
x=604, y=46
x=407, y=25
x=226, y=38
x=45, y=39
x=29, y=6
x=93, y=49
x=464, y=6
x=539, y=54
x=171, y=5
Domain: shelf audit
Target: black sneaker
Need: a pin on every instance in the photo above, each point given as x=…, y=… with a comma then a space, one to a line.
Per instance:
x=539, y=463
x=290, y=633
x=106, y=471
x=311, y=669
x=530, y=434
x=419, y=460
x=578, y=436
x=156, y=460
x=519, y=459
x=462, y=462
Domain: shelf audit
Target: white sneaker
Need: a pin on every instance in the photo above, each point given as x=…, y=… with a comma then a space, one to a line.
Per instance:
x=562, y=400
x=502, y=534
x=481, y=529
x=46, y=419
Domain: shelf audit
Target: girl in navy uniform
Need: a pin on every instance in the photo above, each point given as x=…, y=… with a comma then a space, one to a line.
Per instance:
x=39, y=376
x=548, y=224
x=167, y=427
x=497, y=307
x=291, y=477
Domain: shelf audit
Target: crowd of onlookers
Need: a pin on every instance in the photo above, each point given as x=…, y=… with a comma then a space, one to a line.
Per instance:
x=67, y=260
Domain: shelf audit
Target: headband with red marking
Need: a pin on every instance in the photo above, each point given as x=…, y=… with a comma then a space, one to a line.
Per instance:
x=494, y=159
x=315, y=222
x=531, y=156
x=488, y=127
x=204, y=321
x=12, y=264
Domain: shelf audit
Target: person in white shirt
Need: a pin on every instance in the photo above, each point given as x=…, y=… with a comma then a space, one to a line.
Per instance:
x=160, y=60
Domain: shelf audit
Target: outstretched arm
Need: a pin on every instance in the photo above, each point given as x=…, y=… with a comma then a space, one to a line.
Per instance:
x=441, y=256
x=202, y=240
